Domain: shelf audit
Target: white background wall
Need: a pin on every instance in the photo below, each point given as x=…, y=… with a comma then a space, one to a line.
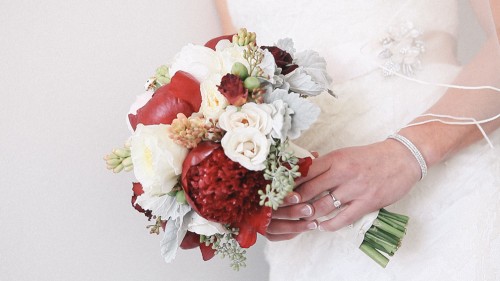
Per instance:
x=69, y=70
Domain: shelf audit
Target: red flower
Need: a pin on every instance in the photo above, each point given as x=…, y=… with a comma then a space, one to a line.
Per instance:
x=213, y=42
x=282, y=58
x=223, y=191
x=192, y=240
x=181, y=95
x=232, y=88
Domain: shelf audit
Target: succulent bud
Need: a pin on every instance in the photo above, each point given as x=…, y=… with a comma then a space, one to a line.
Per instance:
x=251, y=83
x=240, y=70
x=244, y=37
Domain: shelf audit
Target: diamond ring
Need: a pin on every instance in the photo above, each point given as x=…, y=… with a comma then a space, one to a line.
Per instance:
x=336, y=202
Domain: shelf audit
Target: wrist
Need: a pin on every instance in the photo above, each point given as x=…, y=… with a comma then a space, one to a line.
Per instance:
x=435, y=141
x=417, y=155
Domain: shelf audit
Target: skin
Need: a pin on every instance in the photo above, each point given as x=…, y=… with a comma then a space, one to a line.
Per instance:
x=367, y=178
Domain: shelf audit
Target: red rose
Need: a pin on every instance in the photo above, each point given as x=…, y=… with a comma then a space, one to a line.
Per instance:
x=223, y=191
x=181, y=95
x=282, y=58
x=232, y=88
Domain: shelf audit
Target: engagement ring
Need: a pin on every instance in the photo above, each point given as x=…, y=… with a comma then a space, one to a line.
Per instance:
x=336, y=202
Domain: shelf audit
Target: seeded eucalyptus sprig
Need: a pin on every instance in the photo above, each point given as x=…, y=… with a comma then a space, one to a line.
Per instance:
x=226, y=246
x=282, y=170
x=254, y=56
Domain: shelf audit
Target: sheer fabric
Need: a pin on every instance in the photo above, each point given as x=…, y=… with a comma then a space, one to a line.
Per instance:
x=394, y=62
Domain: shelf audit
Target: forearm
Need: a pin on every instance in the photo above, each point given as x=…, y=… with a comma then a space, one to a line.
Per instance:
x=436, y=140
x=225, y=19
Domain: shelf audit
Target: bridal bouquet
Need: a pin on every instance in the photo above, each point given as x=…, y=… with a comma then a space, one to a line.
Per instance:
x=211, y=141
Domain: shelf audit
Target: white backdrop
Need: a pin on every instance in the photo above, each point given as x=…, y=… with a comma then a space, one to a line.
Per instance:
x=68, y=72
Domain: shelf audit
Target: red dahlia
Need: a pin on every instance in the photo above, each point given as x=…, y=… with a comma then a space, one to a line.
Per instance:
x=222, y=190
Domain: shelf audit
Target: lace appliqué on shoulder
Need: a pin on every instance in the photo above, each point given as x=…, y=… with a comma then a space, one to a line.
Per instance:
x=401, y=49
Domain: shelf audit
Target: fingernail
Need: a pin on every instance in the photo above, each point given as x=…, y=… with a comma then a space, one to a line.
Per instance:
x=312, y=225
x=293, y=199
x=321, y=228
x=307, y=210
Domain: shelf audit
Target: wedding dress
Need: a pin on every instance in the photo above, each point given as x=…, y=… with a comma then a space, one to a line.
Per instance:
x=454, y=230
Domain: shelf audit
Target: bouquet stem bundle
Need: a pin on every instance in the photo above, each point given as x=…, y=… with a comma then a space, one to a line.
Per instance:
x=385, y=236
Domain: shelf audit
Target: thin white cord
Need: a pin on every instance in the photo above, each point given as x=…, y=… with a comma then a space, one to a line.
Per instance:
x=440, y=84
x=471, y=122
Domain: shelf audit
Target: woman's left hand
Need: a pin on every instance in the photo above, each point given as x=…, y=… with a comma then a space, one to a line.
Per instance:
x=364, y=179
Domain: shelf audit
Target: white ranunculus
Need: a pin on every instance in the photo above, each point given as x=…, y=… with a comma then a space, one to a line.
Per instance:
x=247, y=146
x=250, y=115
x=230, y=53
x=157, y=158
x=282, y=119
x=201, y=226
x=213, y=102
x=199, y=61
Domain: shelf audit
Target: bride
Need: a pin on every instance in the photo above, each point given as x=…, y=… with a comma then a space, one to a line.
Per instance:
x=410, y=128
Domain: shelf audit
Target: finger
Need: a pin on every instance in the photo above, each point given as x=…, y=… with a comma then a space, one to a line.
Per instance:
x=290, y=226
x=323, y=206
x=293, y=212
x=346, y=216
x=314, y=187
x=280, y=237
x=291, y=198
x=315, y=154
x=326, y=205
x=318, y=167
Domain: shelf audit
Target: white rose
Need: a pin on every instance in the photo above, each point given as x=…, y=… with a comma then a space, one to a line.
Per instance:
x=205, y=227
x=247, y=146
x=157, y=158
x=213, y=102
x=250, y=115
x=199, y=61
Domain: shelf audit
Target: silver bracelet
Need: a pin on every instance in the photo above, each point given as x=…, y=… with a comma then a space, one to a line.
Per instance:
x=414, y=150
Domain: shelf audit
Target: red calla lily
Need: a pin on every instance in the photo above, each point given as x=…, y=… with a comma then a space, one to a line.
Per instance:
x=137, y=190
x=181, y=95
x=213, y=42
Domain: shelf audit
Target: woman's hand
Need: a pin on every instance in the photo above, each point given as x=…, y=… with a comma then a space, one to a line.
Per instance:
x=364, y=179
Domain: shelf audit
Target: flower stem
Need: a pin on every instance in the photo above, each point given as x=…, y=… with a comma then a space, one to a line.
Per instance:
x=384, y=236
x=374, y=254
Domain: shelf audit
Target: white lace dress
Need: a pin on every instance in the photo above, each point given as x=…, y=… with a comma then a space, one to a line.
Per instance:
x=454, y=231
